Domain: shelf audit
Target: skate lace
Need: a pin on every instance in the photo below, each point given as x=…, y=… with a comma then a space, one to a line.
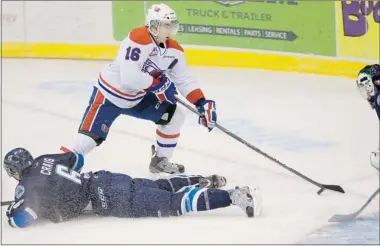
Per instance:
x=240, y=199
x=220, y=181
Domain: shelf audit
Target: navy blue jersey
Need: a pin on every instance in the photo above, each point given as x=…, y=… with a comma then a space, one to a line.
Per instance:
x=376, y=104
x=51, y=188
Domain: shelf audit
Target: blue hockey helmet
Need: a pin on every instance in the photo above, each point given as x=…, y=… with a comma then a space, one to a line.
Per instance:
x=16, y=161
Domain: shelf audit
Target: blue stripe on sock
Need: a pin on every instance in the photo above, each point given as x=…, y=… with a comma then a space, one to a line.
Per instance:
x=187, y=206
x=166, y=145
x=191, y=196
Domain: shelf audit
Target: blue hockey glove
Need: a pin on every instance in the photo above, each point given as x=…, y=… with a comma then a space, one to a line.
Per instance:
x=163, y=88
x=20, y=216
x=207, y=110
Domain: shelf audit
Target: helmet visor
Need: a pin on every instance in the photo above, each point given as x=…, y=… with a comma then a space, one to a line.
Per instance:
x=171, y=27
x=12, y=173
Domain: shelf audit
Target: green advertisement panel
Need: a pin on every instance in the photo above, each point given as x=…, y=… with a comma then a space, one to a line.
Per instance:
x=279, y=25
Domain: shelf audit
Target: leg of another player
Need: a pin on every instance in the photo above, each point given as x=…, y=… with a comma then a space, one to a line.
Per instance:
x=172, y=184
x=203, y=199
x=180, y=182
x=169, y=120
x=167, y=136
x=176, y=183
x=153, y=202
x=96, y=122
x=119, y=195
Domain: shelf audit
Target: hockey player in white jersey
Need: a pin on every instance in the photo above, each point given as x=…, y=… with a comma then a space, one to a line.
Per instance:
x=136, y=84
x=368, y=83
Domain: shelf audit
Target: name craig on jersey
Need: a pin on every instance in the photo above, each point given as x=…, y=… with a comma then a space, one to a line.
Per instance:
x=47, y=166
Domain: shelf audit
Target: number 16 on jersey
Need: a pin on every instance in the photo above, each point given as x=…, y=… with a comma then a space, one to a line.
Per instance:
x=132, y=54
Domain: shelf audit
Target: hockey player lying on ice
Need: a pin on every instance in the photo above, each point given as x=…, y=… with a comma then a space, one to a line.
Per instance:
x=51, y=187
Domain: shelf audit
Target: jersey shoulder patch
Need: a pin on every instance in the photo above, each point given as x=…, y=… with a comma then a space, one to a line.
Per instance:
x=19, y=192
x=140, y=35
x=172, y=44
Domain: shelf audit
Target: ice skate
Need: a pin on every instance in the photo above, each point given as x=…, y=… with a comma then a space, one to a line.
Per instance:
x=246, y=199
x=163, y=165
x=213, y=181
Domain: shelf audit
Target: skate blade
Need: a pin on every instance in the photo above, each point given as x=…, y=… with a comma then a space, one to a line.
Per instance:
x=250, y=212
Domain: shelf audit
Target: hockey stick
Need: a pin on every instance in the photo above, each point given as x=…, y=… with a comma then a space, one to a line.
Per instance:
x=348, y=217
x=321, y=186
x=6, y=203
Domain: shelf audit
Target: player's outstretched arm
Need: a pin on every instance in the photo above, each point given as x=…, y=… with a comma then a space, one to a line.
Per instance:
x=71, y=159
x=21, y=212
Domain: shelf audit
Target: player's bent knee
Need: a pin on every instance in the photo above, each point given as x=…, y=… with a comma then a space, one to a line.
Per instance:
x=179, y=116
x=85, y=142
x=98, y=140
x=173, y=114
x=176, y=116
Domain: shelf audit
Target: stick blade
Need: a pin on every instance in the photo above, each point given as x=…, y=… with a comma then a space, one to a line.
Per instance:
x=342, y=217
x=336, y=188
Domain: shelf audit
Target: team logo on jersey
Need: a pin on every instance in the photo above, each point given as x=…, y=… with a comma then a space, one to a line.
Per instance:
x=102, y=198
x=157, y=9
x=19, y=191
x=104, y=128
x=378, y=100
x=154, y=52
x=149, y=67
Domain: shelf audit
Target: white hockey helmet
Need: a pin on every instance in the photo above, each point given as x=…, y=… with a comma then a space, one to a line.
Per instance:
x=161, y=21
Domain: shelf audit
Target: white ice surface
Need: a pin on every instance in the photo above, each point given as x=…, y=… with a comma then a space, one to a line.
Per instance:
x=318, y=125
